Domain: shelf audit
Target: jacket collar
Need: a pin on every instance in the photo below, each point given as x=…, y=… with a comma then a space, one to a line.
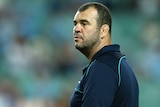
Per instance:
x=106, y=49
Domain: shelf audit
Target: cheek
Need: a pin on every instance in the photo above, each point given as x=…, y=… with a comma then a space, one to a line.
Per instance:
x=88, y=37
x=88, y=32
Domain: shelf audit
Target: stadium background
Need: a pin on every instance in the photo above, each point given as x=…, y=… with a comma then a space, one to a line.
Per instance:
x=39, y=66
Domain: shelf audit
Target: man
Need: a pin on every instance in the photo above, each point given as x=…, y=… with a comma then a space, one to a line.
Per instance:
x=108, y=80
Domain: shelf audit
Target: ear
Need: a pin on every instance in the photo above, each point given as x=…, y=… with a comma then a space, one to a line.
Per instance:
x=104, y=30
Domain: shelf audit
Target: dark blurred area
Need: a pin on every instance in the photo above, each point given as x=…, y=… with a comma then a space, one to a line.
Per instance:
x=39, y=66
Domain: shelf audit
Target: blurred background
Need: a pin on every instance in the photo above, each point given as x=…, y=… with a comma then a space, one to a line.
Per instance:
x=39, y=66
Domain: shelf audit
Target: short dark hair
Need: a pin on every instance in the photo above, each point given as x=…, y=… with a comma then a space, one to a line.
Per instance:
x=104, y=15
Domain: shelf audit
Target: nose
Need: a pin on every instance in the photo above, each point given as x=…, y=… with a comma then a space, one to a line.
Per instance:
x=77, y=28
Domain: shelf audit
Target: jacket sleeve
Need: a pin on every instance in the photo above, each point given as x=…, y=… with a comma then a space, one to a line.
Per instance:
x=100, y=86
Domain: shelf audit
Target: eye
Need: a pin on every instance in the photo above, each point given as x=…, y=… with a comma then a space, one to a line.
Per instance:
x=74, y=23
x=84, y=23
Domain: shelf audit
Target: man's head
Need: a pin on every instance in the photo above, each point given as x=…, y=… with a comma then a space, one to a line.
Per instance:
x=92, y=28
x=103, y=16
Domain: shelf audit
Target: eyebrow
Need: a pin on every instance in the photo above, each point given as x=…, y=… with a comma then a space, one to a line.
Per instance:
x=83, y=20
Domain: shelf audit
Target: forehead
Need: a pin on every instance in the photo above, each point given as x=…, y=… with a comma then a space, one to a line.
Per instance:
x=88, y=14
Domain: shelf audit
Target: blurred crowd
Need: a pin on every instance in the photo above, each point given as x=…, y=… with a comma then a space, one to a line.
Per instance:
x=39, y=66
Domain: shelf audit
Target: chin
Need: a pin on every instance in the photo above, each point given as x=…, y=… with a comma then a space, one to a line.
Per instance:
x=78, y=47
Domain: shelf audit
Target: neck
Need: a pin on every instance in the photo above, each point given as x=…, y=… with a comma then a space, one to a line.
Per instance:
x=89, y=54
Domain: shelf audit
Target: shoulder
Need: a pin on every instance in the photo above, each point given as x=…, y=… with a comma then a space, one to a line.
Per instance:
x=100, y=74
x=99, y=69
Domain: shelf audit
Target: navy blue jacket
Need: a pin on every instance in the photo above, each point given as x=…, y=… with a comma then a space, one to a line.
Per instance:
x=108, y=81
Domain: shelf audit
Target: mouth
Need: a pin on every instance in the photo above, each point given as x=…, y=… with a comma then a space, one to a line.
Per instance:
x=76, y=38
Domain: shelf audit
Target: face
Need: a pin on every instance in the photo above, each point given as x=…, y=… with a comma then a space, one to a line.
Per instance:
x=86, y=31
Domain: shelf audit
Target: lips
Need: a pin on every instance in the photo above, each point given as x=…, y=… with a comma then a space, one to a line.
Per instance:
x=77, y=37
